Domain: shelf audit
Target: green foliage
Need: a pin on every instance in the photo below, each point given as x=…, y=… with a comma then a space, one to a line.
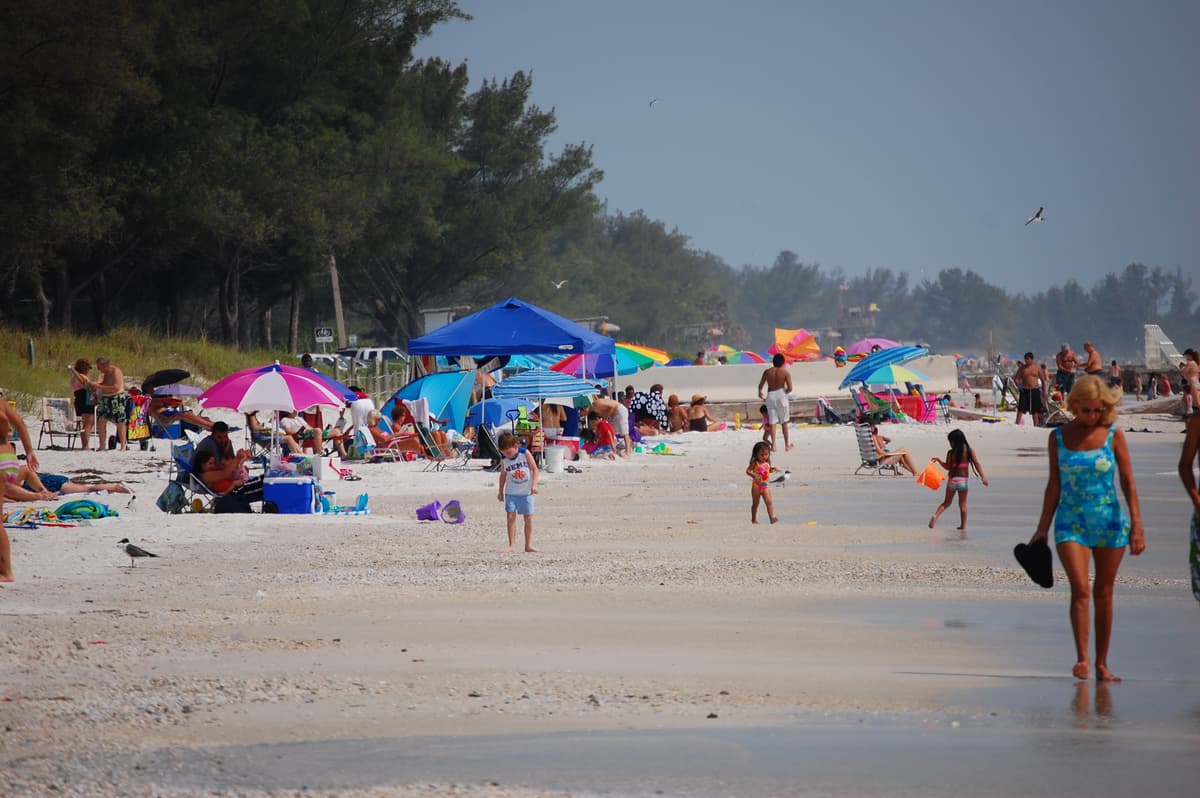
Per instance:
x=135, y=350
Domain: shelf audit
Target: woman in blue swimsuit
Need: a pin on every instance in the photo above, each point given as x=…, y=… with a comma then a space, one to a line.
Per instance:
x=1082, y=501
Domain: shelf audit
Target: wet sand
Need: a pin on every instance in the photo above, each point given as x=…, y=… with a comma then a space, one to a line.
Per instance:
x=659, y=642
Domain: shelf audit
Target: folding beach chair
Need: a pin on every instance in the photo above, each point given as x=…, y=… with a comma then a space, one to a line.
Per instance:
x=197, y=494
x=871, y=460
x=59, y=421
x=825, y=414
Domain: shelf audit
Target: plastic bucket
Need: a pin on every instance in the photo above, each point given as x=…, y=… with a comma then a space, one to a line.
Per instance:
x=932, y=477
x=554, y=458
x=453, y=512
x=430, y=512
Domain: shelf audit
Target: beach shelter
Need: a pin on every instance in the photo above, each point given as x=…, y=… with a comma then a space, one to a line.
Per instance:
x=448, y=394
x=512, y=327
x=797, y=344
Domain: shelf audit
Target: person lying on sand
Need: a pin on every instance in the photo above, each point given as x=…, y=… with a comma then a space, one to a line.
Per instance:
x=43, y=487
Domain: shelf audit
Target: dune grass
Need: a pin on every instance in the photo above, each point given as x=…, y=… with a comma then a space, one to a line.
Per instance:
x=136, y=351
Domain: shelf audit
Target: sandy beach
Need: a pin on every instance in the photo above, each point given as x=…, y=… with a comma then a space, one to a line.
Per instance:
x=658, y=644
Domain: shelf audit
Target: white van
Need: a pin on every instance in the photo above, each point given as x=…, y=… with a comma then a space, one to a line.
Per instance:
x=374, y=354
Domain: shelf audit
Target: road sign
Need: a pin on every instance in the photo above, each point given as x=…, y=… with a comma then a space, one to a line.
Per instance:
x=323, y=335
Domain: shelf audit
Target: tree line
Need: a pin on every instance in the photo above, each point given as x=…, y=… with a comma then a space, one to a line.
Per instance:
x=217, y=169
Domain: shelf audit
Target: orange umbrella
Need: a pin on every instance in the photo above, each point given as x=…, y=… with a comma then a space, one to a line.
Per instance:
x=795, y=344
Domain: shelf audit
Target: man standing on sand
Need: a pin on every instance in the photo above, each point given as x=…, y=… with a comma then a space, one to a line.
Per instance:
x=113, y=405
x=1029, y=388
x=1066, y=361
x=778, y=382
x=1093, y=366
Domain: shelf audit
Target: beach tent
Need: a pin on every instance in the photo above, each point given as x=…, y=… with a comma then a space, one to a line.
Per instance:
x=512, y=327
x=448, y=393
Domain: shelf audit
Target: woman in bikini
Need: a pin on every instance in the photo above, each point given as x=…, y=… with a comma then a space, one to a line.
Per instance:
x=1088, y=520
x=13, y=470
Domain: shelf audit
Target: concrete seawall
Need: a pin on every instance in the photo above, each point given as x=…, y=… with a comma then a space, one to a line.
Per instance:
x=732, y=389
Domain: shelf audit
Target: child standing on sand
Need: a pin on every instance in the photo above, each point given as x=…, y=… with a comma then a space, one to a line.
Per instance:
x=518, y=484
x=759, y=471
x=958, y=464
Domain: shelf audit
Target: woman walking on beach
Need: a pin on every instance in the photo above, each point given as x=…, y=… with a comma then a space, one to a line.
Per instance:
x=959, y=462
x=760, y=471
x=1082, y=501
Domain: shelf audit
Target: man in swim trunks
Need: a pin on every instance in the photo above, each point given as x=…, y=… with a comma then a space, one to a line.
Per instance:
x=778, y=383
x=1029, y=390
x=113, y=405
x=1066, y=362
x=1094, y=365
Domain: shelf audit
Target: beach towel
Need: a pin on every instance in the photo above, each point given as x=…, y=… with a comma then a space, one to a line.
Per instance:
x=85, y=508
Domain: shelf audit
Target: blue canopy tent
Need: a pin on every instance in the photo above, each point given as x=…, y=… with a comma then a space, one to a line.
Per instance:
x=512, y=327
x=448, y=392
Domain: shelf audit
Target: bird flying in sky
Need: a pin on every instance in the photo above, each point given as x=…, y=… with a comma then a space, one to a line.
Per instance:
x=133, y=551
x=559, y=284
x=653, y=100
x=1037, y=217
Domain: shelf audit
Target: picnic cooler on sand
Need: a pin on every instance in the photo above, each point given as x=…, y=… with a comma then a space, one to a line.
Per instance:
x=292, y=495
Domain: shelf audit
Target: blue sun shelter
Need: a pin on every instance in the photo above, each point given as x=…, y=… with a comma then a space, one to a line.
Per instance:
x=448, y=394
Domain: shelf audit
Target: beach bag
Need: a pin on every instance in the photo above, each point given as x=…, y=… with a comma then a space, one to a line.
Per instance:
x=932, y=477
x=172, y=499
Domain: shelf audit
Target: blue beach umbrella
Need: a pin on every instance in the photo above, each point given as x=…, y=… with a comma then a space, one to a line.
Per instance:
x=540, y=383
x=884, y=357
x=893, y=374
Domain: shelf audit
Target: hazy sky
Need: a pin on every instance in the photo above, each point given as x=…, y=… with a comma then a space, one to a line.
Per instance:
x=908, y=134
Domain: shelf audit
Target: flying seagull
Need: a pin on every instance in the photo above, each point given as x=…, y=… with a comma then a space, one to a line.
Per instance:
x=559, y=284
x=133, y=551
x=1037, y=217
x=653, y=100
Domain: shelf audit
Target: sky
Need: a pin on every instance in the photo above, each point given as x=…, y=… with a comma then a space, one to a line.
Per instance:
x=912, y=135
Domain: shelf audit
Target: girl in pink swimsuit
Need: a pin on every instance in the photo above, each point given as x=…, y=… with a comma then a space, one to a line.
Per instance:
x=958, y=464
x=759, y=471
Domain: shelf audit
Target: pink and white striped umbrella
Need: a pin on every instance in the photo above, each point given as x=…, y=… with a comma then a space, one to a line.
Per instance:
x=271, y=388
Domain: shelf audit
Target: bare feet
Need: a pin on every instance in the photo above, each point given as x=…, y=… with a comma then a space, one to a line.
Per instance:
x=961, y=528
x=8, y=579
x=932, y=521
x=531, y=550
x=1103, y=674
x=774, y=520
x=754, y=520
x=1081, y=670
x=791, y=446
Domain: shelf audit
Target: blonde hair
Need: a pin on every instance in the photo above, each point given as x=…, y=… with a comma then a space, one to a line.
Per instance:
x=1091, y=388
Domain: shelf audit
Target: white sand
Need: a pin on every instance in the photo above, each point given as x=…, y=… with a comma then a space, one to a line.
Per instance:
x=654, y=604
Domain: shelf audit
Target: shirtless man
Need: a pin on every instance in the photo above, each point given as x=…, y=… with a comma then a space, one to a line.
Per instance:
x=113, y=405
x=1093, y=366
x=778, y=382
x=1029, y=386
x=617, y=415
x=1066, y=361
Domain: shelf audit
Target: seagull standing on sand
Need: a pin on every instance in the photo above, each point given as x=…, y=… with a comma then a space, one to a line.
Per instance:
x=133, y=551
x=1037, y=217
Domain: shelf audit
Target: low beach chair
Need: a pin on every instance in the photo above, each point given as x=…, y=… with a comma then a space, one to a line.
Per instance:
x=59, y=421
x=825, y=414
x=871, y=460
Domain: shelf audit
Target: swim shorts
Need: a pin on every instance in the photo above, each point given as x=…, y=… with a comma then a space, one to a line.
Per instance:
x=778, y=410
x=958, y=483
x=114, y=408
x=521, y=505
x=1029, y=400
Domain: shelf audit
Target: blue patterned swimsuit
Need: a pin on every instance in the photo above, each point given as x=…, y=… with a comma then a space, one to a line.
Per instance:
x=1089, y=512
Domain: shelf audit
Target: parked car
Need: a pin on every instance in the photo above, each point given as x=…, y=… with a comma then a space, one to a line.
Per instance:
x=330, y=362
x=373, y=354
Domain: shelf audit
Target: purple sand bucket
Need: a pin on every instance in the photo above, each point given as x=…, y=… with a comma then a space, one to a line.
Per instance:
x=453, y=512
x=429, y=512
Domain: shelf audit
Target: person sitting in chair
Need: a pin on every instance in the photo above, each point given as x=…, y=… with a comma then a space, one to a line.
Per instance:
x=219, y=467
x=166, y=410
x=888, y=456
x=299, y=430
x=263, y=436
x=402, y=440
